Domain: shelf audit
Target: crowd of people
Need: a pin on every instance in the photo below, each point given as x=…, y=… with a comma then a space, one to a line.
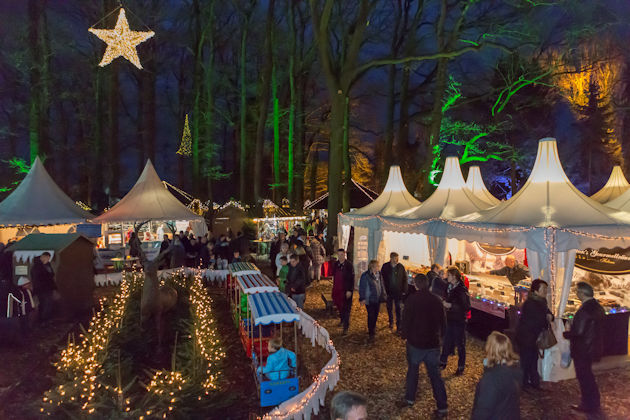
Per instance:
x=431, y=314
x=187, y=250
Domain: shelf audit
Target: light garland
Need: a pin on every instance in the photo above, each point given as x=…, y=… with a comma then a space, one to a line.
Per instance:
x=121, y=41
x=232, y=203
x=82, y=362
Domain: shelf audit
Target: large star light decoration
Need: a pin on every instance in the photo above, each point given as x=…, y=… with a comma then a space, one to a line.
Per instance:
x=121, y=41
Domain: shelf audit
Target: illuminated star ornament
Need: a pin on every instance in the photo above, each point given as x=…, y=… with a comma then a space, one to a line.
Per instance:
x=121, y=41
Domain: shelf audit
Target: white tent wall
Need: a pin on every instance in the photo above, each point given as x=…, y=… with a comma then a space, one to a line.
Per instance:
x=361, y=255
x=411, y=248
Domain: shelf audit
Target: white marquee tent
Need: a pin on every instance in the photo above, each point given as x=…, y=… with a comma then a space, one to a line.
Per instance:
x=475, y=183
x=39, y=201
x=551, y=219
x=450, y=200
x=366, y=220
x=149, y=200
x=614, y=187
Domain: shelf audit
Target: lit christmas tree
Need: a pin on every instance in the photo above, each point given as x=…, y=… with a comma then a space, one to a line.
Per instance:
x=185, y=147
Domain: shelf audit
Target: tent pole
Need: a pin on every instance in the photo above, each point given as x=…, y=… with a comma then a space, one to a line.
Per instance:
x=295, y=340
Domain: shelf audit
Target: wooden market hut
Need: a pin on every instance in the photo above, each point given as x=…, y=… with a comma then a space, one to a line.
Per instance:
x=72, y=260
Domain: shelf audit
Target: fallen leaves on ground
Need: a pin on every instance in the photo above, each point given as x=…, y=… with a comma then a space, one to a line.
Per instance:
x=378, y=371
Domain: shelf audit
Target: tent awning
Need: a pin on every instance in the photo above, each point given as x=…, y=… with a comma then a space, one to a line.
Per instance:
x=243, y=267
x=271, y=308
x=255, y=283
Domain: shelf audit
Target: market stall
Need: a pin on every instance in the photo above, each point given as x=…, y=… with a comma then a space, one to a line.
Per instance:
x=38, y=205
x=408, y=228
x=229, y=218
x=366, y=222
x=71, y=260
x=552, y=221
x=148, y=200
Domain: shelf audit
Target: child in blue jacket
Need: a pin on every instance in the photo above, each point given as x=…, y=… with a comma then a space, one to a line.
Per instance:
x=280, y=362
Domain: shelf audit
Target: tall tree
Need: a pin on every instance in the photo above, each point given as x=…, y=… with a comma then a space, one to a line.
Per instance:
x=263, y=101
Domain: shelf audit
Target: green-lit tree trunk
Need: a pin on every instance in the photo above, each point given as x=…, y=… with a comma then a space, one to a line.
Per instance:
x=347, y=165
x=263, y=102
x=276, y=135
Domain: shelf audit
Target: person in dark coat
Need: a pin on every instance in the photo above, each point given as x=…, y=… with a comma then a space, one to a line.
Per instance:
x=165, y=243
x=586, y=337
x=535, y=317
x=343, y=288
x=44, y=286
x=134, y=245
x=371, y=294
x=457, y=304
x=423, y=324
x=177, y=254
x=438, y=283
x=395, y=280
x=513, y=270
x=497, y=396
x=296, y=281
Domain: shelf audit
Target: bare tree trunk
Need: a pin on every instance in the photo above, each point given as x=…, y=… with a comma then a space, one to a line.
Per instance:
x=114, y=152
x=347, y=165
x=209, y=112
x=197, y=92
x=243, y=116
x=263, y=102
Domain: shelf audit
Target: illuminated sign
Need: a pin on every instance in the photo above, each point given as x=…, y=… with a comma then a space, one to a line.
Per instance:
x=604, y=260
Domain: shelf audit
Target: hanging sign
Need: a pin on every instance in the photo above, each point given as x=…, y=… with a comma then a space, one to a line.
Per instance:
x=604, y=260
x=496, y=249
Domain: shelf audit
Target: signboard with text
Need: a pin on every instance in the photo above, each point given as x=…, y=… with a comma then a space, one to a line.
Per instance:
x=604, y=260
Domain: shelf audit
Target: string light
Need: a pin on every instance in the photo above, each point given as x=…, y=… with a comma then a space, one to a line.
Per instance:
x=121, y=41
x=185, y=147
x=81, y=364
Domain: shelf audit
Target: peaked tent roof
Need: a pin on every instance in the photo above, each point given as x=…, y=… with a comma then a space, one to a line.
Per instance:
x=38, y=200
x=615, y=186
x=394, y=198
x=451, y=199
x=148, y=200
x=622, y=202
x=548, y=200
x=475, y=183
x=360, y=196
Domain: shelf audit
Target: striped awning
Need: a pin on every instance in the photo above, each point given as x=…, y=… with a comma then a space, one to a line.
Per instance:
x=255, y=283
x=239, y=268
x=271, y=308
